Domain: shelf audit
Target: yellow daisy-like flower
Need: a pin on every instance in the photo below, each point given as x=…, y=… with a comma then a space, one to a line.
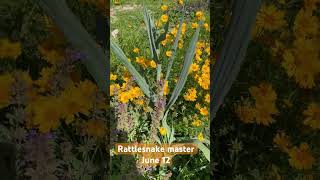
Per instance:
x=204, y=111
x=113, y=77
x=181, y=2
x=199, y=15
x=9, y=49
x=46, y=113
x=194, y=67
x=282, y=141
x=153, y=64
x=164, y=7
x=191, y=95
x=312, y=114
x=270, y=18
x=301, y=157
x=194, y=25
x=136, y=50
x=206, y=26
x=163, y=131
x=196, y=123
x=200, y=137
x=207, y=98
x=124, y=97
x=164, y=18
x=168, y=53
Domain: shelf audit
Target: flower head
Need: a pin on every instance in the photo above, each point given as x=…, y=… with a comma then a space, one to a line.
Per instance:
x=163, y=131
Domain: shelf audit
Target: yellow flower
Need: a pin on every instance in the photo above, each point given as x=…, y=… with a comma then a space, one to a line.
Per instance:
x=200, y=15
x=169, y=53
x=196, y=123
x=270, y=18
x=294, y=62
x=136, y=50
x=191, y=95
x=305, y=24
x=45, y=113
x=301, y=158
x=163, y=131
x=164, y=7
x=180, y=2
x=282, y=141
x=6, y=82
x=113, y=77
x=194, y=67
x=194, y=25
x=204, y=111
x=77, y=98
x=166, y=88
x=180, y=45
x=207, y=98
x=174, y=31
x=164, y=18
x=95, y=128
x=198, y=106
x=200, y=137
x=263, y=93
x=206, y=26
x=184, y=28
x=164, y=42
x=142, y=61
x=158, y=23
x=246, y=112
x=124, y=97
x=207, y=50
x=9, y=49
x=312, y=114
x=153, y=64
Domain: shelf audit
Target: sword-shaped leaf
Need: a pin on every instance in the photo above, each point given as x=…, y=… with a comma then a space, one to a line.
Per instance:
x=233, y=51
x=185, y=69
x=96, y=59
x=151, y=29
x=203, y=148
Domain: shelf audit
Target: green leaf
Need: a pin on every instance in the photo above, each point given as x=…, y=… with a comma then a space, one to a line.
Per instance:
x=186, y=66
x=96, y=59
x=150, y=29
x=158, y=72
x=203, y=148
x=124, y=60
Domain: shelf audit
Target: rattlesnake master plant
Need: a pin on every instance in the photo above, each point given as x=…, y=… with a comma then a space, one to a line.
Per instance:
x=96, y=59
x=154, y=39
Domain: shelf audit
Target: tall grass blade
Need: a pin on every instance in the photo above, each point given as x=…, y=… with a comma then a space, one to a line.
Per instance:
x=124, y=60
x=96, y=59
